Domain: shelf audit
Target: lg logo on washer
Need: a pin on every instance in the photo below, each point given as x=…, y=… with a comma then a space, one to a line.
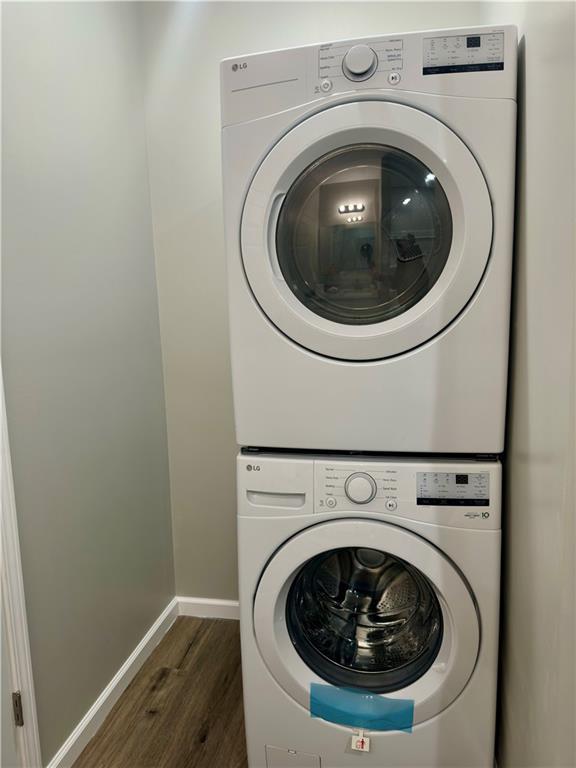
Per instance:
x=242, y=65
x=253, y=468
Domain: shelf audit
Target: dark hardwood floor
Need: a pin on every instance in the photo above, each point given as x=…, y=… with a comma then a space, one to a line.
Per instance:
x=184, y=707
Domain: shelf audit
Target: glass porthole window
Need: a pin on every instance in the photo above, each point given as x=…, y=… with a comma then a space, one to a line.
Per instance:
x=363, y=618
x=363, y=234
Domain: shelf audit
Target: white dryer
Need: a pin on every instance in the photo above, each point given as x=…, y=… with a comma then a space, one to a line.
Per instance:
x=368, y=189
x=369, y=598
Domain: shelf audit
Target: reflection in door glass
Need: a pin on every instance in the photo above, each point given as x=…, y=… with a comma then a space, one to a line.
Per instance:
x=363, y=234
x=365, y=619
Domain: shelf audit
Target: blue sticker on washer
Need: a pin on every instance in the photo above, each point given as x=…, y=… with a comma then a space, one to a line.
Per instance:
x=357, y=709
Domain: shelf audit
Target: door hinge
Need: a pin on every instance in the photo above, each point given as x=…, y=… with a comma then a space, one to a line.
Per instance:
x=17, y=708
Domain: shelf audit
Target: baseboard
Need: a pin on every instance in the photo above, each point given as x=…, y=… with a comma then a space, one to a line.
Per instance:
x=180, y=606
x=208, y=608
x=95, y=716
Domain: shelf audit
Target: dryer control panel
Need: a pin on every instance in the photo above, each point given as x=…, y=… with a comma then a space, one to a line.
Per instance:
x=386, y=56
x=452, y=54
x=475, y=62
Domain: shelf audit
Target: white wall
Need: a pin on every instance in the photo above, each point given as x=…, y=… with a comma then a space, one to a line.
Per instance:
x=538, y=671
x=81, y=351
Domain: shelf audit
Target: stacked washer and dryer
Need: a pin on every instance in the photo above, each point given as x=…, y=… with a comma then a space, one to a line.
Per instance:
x=369, y=193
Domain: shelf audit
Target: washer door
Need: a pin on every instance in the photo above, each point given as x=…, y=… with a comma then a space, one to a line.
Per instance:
x=366, y=230
x=367, y=605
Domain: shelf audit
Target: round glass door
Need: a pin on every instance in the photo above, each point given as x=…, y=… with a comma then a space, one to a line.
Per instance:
x=364, y=618
x=363, y=234
x=365, y=231
x=369, y=605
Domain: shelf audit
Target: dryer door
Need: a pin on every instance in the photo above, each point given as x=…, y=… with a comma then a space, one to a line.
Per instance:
x=366, y=230
x=371, y=606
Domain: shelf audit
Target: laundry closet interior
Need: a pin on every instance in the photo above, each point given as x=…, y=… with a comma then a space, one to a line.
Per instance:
x=288, y=363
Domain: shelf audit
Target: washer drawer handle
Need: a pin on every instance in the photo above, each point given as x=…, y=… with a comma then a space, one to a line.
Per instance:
x=264, y=499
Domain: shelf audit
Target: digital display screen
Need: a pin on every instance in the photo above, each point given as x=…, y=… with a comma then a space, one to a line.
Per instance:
x=453, y=489
x=448, y=54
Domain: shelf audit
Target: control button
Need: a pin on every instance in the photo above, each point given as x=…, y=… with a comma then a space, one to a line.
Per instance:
x=331, y=502
x=394, y=78
x=359, y=63
x=360, y=488
x=391, y=505
x=326, y=86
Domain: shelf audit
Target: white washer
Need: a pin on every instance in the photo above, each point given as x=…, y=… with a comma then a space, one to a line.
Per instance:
x=368, y=190
x=369, y=598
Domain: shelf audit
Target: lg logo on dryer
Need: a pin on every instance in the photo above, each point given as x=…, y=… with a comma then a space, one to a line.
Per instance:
x=253, y=467
x=241, y=65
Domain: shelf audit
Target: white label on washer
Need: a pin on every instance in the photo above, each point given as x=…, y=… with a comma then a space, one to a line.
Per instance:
x=359, y=742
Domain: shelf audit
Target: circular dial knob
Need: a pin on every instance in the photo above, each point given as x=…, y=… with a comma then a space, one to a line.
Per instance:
x=360, y=488
x=360, y=63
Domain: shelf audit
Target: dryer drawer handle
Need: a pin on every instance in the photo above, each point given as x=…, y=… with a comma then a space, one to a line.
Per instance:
x=266, y=499
x=272, y=226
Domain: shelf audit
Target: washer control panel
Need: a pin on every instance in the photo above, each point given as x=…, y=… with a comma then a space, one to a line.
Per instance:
x=360, y=487
x=338, y=484
x=461, y=493
x=453, y=489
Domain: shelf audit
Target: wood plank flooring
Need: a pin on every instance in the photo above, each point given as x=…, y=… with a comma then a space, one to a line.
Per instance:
x=184, y=707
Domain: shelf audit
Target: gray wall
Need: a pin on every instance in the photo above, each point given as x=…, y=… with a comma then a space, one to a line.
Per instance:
x=538, y=671
x=81, y=348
